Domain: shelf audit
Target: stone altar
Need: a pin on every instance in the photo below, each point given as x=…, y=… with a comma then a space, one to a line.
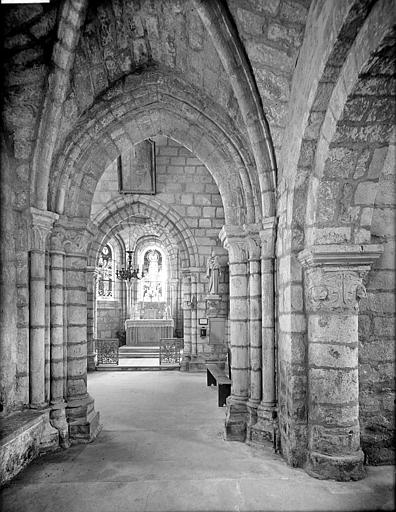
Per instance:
x=148, y=331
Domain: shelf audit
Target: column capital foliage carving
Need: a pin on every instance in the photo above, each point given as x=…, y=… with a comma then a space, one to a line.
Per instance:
x=73, y=235
x=233, y=239
x=257, y=240
x=41, y=225
x=335, y=275
x=267, y=236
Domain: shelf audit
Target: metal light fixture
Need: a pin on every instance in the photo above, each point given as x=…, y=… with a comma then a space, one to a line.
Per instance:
x=126, y=274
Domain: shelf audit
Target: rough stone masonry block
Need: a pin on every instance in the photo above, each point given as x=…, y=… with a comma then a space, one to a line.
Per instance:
x=333, y=386
x=332, y=356
x=332, y=328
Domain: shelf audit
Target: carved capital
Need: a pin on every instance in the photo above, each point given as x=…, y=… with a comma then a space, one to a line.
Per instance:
x=267, y=236
x=41, y=224
x=253, y=246
x=331, y=289
x=73, y=235
x=233, y=239
x=334, y=275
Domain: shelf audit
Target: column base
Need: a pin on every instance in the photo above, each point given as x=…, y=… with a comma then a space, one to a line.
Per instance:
x=336, y=467
x=236, y=419
x=185, y=363
x=251, y=416
x=49, y=439
x=265, y=430
x=83, y=420
x=59, y=421
x=91, y=362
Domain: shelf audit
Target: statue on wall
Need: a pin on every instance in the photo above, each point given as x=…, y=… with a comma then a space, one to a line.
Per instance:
x=212, y=273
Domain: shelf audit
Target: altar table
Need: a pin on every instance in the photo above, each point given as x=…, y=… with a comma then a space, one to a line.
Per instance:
x=148, y=331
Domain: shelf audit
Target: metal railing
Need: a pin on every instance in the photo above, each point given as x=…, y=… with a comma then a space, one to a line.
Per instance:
x=107, y=351
x=170, y=349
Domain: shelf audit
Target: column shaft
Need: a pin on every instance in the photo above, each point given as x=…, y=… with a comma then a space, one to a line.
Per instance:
x=91, y=300
x=186, y=300
x=333, y=285
x=77, y=325
x=57, y=328
x=37, y=328
x=265, y=429
x=254, y=339
x=194, y=331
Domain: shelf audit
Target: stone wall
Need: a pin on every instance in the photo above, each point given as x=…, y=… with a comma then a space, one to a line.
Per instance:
x=185, y=185
x=109, y=319
x=377, y=330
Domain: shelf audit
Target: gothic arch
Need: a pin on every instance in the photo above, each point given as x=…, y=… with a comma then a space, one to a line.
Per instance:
x=120, y=209
x=311, y=134
x=139, y=107
x=344, y=185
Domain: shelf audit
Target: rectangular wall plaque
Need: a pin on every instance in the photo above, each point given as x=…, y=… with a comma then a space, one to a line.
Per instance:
x=136, y=169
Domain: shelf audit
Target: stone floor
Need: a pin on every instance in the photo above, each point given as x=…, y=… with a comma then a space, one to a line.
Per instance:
x=161, y=449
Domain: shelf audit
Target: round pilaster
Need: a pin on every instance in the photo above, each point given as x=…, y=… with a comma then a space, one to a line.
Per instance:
x=264, y=430
x=41, y=226
x=186, y=302
x=255, y=325
x=236, y=416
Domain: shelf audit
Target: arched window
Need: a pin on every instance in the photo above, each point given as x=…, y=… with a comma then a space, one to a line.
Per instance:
x=105, y=270
x=153, y=285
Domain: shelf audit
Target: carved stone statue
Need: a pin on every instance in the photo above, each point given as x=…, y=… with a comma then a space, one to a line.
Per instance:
x=212, y=273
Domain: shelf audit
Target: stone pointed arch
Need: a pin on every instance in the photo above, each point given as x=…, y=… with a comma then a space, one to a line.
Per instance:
x=217, y=20
x=139, y=107
x=115, y=215
x=72, y=17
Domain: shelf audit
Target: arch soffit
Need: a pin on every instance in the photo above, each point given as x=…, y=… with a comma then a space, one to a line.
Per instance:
x=140, y=107
x=357, y=67
x=173, y=226
x=330, y=77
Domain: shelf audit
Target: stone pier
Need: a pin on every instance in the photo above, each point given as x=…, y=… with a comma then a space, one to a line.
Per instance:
x=236, y=418
x=334, y=284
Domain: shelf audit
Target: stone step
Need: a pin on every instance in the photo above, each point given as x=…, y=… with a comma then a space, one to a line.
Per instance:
x=115, y=368
x=138, y=352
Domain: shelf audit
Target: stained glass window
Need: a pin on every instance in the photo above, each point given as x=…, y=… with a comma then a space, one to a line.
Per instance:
x=105, y=269
x=153, y=285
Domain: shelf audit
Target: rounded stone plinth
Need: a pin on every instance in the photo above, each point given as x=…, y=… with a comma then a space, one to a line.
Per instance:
x=336, y=467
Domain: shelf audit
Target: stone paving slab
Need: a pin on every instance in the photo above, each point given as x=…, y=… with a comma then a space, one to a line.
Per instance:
x=162, y=449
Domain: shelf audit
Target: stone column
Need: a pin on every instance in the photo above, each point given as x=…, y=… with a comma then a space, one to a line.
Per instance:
x=82, y=418
x=91, y=305
x=186, y=304
x=57, y=346
x=8, y=289
x=333, y=285
x=263, y=430
x=47, y=328
x=253, y=246
x=194, y=332
x=41, y=226
x=236, y=416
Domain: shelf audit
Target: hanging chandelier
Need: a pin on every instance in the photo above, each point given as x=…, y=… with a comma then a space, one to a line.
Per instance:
x=126, y=274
